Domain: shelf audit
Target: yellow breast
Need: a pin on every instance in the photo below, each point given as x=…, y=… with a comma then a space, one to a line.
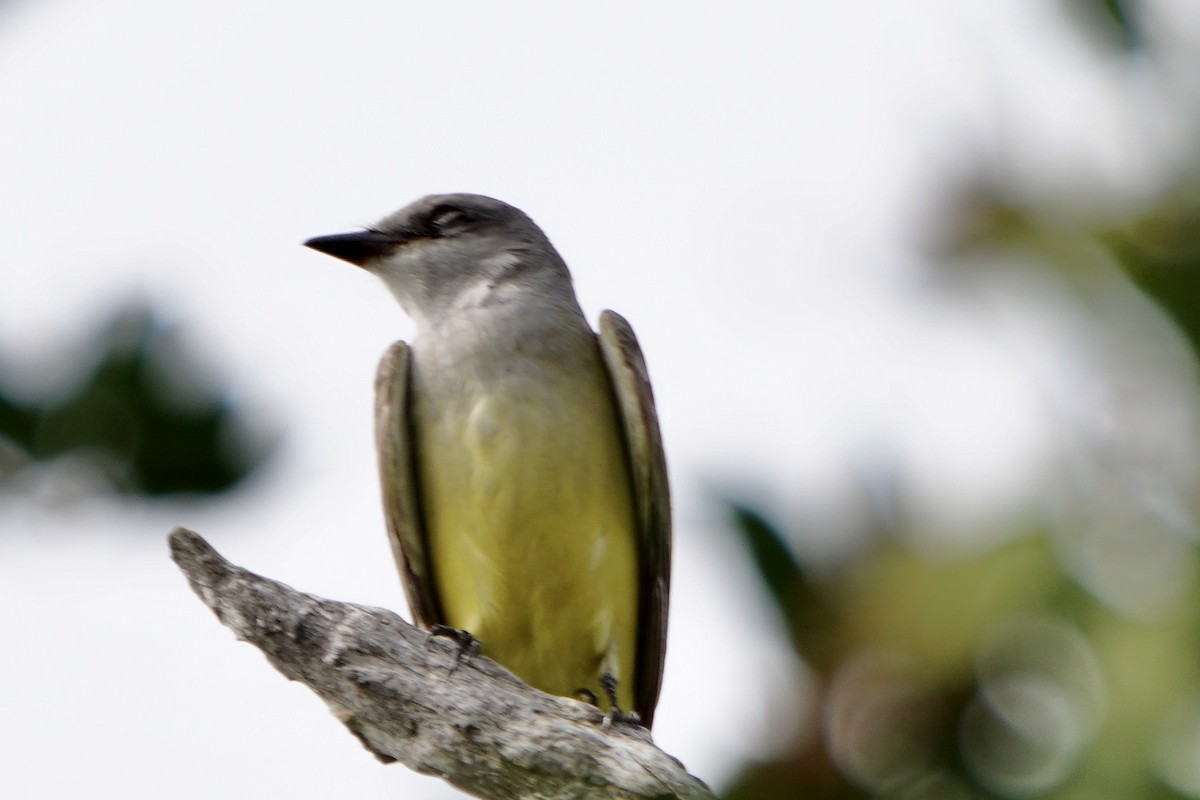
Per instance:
x=526, y=497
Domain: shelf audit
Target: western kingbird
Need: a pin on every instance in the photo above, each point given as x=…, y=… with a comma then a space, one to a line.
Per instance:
x=524, y=483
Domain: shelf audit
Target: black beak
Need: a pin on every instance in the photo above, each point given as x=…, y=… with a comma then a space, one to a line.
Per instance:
x=358, y=248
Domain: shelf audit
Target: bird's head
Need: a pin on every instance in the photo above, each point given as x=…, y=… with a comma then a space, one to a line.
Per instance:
x=447, y=251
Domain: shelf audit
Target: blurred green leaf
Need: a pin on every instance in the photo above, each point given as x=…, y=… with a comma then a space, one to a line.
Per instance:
x=808, y=614
x=778, y=568
x=1113, y=20
x=141, y=416
x=1117, y=13
x=1161, y=253
x=17, y=424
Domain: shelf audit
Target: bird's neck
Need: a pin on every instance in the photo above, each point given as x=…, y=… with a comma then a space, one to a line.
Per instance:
x=502, y=323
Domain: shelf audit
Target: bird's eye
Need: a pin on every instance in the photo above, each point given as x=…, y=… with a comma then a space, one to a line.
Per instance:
x=443, y=218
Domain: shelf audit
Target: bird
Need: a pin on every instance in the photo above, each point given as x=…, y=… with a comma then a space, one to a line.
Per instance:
x=523, y=476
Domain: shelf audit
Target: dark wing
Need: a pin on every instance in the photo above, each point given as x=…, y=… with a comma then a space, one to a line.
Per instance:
x=397, y=471
x=648, y=469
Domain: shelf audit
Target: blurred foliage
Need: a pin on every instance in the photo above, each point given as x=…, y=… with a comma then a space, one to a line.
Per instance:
x=990, y=676
x=1063, y=660
x=1161, y=253
x=1112, y=20
x=139, y=415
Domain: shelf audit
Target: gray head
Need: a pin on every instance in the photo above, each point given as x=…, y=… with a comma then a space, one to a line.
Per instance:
x=451, y=251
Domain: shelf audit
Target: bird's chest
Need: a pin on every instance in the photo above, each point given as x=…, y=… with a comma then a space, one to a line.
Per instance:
x=495, y=397
x=518, y=458
x=501, y=434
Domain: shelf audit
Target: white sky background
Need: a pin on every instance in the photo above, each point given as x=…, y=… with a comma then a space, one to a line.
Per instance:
x=745, y=187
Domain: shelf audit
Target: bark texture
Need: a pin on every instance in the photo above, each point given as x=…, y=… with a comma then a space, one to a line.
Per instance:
x=418, y=699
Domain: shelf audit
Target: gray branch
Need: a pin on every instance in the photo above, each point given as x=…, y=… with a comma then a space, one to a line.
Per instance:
x=414, y=698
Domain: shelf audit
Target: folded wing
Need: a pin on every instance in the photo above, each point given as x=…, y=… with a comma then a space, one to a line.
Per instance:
x=648, y=471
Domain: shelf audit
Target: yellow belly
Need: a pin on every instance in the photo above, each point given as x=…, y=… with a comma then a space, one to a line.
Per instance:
x=531, y=530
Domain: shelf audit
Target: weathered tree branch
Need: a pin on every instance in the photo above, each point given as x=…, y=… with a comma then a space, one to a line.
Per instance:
x=409, y=697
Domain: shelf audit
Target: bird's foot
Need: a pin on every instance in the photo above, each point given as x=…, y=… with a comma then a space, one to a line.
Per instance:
x=609, y=684
x=468, y=645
